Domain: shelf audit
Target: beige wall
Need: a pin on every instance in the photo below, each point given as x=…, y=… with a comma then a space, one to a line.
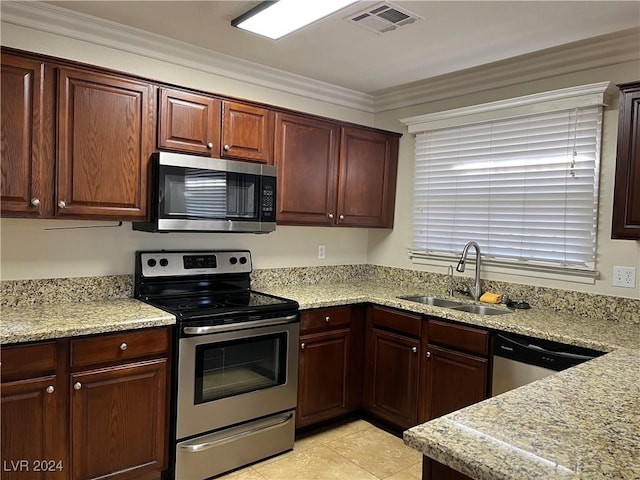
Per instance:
x=390, y=249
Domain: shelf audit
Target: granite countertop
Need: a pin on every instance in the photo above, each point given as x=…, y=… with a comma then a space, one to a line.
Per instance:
x=68, y=319
x=581, y=423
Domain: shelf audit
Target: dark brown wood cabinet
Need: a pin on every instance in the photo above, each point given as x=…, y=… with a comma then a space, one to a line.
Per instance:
x=626, y=198
x=188, y=122
x=392, y=356
x=432, y=470
x=105, y=139
x=330, y=364
x=306, y=154
x=26, y=120
x=367, y=178
x=455, y=373
x=334, y=175
x=96, y=406
x=247, y=132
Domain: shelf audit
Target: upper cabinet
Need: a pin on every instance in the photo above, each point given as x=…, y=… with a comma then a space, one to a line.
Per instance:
x=105, y=139
x=626, y=200
x=202, y=124
x=188, y=122
x=26, y=121
x=334, y=175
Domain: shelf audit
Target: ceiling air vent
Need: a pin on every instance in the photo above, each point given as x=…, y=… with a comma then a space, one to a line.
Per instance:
x=383, y=17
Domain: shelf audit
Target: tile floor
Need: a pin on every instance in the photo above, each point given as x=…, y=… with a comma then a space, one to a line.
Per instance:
x=354, y=451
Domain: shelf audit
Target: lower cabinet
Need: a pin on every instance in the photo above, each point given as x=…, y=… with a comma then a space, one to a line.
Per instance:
x=392, y=362
x=86, y=408
x=330, y=364
x=432, y=470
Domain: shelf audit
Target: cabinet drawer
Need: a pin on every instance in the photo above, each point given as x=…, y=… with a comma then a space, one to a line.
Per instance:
x=119, y=347
x=325, y=318
x=25, y=361
x=459, y=337
x=395, y=320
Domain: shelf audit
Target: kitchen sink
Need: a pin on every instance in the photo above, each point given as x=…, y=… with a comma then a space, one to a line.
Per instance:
x=480, y=310
x=434, y=301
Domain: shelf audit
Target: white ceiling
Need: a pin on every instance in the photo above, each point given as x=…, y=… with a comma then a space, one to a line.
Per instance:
x=452, y=35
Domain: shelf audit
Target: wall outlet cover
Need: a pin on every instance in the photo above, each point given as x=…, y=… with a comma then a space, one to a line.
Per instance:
x=624, y=277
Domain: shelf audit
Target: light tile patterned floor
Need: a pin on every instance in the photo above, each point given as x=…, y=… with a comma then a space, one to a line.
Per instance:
x=353, y=451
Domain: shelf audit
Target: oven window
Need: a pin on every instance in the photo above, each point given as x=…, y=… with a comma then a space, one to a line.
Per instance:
x=240, y=366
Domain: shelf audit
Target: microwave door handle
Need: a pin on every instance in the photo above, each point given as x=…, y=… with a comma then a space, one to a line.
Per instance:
x=237, y=326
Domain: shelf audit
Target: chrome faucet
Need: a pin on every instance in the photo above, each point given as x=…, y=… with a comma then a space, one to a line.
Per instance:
x=473, y=290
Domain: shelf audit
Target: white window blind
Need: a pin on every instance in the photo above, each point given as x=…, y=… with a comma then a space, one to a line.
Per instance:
x=524, y=188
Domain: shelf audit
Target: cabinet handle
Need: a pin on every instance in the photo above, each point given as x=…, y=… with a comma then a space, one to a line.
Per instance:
x=226, y=148
x=327, y=319
x=61, y=204
x=428, y=354
x=50, y=389
x=77, y=386
x=414, y=349
x=341, y=217
x=302, y=346
x=123, y=346
x=330, y=215
x=209, y=145
x=35, y=202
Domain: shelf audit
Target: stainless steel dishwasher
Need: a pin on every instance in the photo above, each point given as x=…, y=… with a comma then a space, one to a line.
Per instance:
x=518, y=360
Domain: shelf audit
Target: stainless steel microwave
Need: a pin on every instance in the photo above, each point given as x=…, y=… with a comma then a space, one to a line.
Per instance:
x=199, y=194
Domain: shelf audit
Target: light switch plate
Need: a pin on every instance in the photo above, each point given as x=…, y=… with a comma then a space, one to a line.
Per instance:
x=624, y=277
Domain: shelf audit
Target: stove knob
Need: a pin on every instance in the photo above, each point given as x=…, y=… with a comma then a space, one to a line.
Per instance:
x=151, y=262
x=164, y=262
x=243, y=260
x=233, y=260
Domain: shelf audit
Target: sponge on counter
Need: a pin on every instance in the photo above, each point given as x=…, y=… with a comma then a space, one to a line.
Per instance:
x=489, y=297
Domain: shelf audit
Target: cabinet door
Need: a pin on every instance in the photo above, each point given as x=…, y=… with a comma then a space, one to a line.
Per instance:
x=247, y=132
x=323, y=380
x=306, y=154
x=30, y=432
x=626, y=201
x=454, y=380
x=188, y=122
x=367, y=178
x=118, y=421
x=25, y=122
x=105, y=139
x=432, y=470
x=391, y=378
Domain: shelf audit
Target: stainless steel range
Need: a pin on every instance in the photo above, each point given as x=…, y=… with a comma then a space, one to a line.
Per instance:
x=235, y=364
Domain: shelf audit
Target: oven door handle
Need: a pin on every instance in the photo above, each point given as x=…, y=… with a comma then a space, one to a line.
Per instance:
x=235, y=433
x=237, y=326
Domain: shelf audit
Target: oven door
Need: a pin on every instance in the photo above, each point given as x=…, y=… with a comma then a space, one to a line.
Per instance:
x=235, y=376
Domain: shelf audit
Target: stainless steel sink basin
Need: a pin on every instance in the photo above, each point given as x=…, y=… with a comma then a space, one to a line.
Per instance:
x=480, y=310
x=434, y=301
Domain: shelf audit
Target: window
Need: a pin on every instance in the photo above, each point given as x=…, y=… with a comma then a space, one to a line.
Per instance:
x=522, y=184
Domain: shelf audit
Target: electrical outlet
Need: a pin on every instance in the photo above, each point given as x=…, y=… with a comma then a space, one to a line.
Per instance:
x=321, y=252
x=624, y=277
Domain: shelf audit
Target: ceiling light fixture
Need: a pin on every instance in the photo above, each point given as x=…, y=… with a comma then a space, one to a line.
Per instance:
x=276, y=19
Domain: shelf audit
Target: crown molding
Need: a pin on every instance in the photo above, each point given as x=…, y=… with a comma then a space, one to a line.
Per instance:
x=596, y=52
x=60, y=21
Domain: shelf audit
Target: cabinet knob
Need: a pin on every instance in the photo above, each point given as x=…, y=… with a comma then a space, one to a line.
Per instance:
x=428, y=354
x=50, y=389
x=123, y=346
x=330, y=215
x=226, y=148
x=302, y=346
x=414, y=349
x=209, y=145
x=327, y=319
x=77, y=386
x=341, y=217
x=35, y=202
x=61, y=204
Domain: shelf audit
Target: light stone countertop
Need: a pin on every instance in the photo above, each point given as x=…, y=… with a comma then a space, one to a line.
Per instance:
x=581, y=423
x=68, y=319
